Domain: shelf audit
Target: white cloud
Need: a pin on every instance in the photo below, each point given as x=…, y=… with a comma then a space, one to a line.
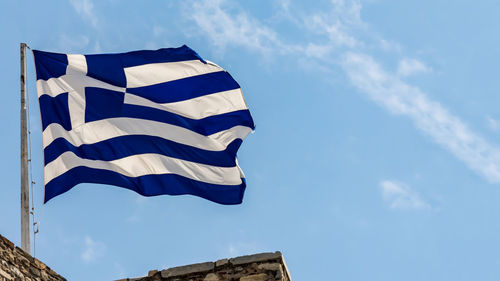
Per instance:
x=93, y=250
x=334, y=29
x=284, y=5
x=348, y=10
x=235, y=28
x=337, y=23
x=225, y=25
x=401, y=196
x=85, y=8
x=317, y=51
x=429, y=116
x=409, y=67
x=389, y=46
x=493, y=124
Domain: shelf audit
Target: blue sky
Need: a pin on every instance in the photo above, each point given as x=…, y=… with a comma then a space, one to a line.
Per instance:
x=376, y=154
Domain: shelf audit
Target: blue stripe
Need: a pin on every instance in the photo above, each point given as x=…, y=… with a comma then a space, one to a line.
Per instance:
x=49, y=65
x=187, y=88
x=136, y=58
x=124, y=146
x=205, y=126
x=149, y=185
x=55, y=110
x=107, y=68
x=110, y=67
x=103, y=104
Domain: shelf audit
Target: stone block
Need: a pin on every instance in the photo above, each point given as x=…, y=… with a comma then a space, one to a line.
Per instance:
x=40, y=265
x=188, y=269
x=255, y=258
x=269, y=266
x=221, y=262
x=34, y=271
x=255, y=277
x=5, y=275
x=6, y=242
x=211, y=277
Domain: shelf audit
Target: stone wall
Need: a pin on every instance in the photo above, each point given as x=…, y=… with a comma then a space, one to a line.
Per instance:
x=17, y=265
x=259, y=267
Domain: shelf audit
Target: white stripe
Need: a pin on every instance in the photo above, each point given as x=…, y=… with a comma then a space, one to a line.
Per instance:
x=197, y=108
x=77, y=64
x=155, y=73
x=227, y=136
x=105, y=129
x=146, y=164
x=69, y=83
x=76, y=106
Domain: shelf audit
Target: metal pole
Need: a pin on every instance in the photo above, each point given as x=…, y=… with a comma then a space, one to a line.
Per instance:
x=25, y=195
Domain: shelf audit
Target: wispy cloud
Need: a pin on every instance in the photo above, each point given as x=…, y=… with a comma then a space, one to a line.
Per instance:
x=85, y=8
x=337, y=23
x=409, y=67
x=313, y=50
x=389, y=45
x=493, y=124
x=225, y=24
x=400, y=196
x=93, y=250
x=429, y=116
x=235, y=28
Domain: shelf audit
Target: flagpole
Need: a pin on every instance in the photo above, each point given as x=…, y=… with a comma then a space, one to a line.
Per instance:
x=25, y=205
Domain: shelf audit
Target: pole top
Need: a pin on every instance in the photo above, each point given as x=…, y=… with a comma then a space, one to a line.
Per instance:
x=24, y=45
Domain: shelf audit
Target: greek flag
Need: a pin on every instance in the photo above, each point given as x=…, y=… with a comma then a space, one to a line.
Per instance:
x=156, y=122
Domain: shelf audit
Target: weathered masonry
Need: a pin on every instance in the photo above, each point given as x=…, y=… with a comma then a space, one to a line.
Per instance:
x=259, y=267
x=17, y=265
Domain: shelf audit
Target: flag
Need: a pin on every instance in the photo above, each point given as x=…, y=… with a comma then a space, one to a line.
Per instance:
x=155, y=122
